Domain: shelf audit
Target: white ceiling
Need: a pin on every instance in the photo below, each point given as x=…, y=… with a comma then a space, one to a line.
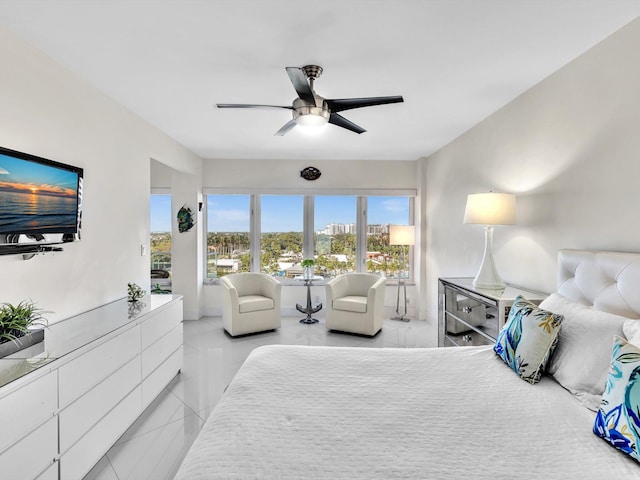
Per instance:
x=454, y=61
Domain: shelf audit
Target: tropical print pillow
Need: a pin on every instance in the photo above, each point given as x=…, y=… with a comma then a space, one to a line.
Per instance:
x=618, y=419
x=528, y=338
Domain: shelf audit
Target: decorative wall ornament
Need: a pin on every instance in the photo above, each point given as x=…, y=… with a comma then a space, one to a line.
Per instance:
x=310, y=173
x=185, y=219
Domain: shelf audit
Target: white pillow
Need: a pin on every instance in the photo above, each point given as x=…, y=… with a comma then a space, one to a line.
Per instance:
x=631, y=329
x=581, y=359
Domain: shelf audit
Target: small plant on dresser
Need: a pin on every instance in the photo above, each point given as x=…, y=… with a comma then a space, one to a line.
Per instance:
x=17, y=324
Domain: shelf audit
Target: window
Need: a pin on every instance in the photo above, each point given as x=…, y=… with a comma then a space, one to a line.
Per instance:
x=228, y=239
x=383, y=258
x=281, y=239
x=335, y=234
x=160, y=255
x=274, y=233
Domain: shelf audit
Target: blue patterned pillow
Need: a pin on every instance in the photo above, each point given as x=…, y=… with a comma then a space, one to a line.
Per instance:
x=618, y=418
x=528, y=338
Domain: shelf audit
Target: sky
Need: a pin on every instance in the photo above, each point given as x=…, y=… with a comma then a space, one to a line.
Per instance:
x=230, y=213
x=20, y=176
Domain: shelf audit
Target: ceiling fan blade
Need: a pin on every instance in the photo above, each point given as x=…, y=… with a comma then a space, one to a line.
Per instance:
x=340, y=104
x=285, y=128
x=248, y=105
x=340, y=121
x=300, y=83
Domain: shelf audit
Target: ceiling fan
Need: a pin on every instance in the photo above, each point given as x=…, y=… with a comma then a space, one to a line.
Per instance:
x=310, y=109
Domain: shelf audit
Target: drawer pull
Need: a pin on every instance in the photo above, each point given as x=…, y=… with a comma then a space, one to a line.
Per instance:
x=467, y=309
x=467, y=338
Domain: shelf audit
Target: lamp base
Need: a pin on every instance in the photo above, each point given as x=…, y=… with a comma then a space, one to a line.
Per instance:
x=402, y=285
x=489, y=286
x=487, y=277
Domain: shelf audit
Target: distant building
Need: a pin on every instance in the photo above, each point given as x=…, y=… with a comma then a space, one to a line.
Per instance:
x=378, y=257
x=378, y=229
x=338, y=228
x=229, y=265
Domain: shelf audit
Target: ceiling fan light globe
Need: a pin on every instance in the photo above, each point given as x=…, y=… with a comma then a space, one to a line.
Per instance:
x=312, y=131
x=311, y=120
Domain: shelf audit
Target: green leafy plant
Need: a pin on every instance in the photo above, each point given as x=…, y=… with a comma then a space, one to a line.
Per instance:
x=157, y=288
x=15, y=320
x=134, y=292
x=308, y=262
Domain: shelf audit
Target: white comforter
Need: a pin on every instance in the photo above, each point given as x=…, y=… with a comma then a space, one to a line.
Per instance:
x=296, y=412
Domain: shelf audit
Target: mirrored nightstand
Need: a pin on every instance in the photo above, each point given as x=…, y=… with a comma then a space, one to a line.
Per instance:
x=470, y=316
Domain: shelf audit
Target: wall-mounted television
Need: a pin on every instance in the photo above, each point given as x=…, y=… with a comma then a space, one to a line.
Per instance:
x=38, y=197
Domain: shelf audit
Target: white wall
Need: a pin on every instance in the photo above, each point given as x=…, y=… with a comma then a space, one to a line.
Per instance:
x=187, y=248
x=49, y=112
x=285, y=174
x=569, y=148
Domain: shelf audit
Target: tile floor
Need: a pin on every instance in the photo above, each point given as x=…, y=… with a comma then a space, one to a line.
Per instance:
x=154, y=446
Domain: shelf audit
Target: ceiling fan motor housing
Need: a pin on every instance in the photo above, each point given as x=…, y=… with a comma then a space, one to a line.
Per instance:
x=303, y=109
x=312, y=71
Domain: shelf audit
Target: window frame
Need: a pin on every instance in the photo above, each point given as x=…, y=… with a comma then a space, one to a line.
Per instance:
x=206, y=233
x=157, y=191
x=255, y=233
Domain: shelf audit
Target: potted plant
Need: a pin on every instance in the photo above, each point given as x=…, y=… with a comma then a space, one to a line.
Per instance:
x=17, y=324
x=134, y=292
x=307, y=268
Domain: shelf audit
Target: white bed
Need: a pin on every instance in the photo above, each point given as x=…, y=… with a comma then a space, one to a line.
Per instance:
x=447, y=413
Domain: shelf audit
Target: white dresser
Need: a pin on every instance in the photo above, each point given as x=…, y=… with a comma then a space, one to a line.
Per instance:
x=65, y=401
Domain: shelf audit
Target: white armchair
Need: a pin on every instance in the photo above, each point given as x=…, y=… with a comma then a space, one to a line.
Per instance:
x=251, y=303
x=355, y=303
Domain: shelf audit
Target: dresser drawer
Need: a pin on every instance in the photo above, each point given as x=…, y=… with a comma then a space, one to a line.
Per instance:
x=160, y=324
x=487, y=325
x=470, y=310
x=24, y=409
x=77, y=461
x=84, y=372
x=161, y=350
x=467, y=336
x=161, y=376
x=79, y=417
x=50, y=473
x=32, y=455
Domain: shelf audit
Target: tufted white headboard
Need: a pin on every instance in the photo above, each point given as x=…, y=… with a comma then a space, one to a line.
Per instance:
x=607, y=281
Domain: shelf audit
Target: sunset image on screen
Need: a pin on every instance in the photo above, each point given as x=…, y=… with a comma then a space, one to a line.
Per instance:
x=42, y=189
x=36, y=197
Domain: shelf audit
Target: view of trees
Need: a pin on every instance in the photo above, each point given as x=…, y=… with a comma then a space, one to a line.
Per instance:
x=230, y=251
x=286, y=248
x=160, y=251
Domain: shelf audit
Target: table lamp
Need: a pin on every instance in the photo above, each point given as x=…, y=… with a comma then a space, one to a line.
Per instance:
x=489, y=209
x=402, y=235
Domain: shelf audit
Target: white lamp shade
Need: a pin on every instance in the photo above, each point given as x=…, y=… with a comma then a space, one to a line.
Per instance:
x=402, y=235
x=491, y=209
